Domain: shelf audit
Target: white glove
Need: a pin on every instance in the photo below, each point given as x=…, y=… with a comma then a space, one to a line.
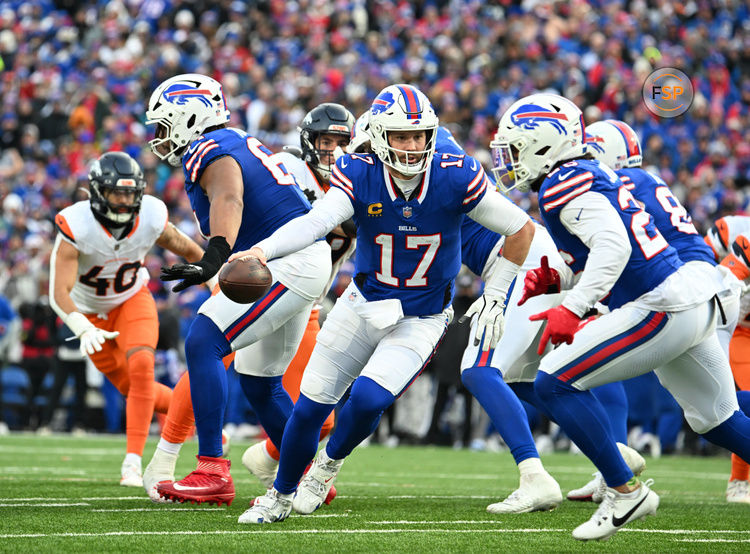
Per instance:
x=90, y=335
x=490, y=322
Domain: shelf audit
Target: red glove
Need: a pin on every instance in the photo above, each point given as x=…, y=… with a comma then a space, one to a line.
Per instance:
x=562, y=324
x=542, y=280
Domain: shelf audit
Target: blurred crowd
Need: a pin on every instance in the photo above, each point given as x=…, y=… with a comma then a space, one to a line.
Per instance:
x=75, y=77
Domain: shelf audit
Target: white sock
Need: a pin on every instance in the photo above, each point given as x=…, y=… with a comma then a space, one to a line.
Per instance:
x=169, y=447
x=132, y=458
x=530, y=465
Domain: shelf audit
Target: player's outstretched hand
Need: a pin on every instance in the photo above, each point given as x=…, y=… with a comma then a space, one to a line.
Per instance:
x=254, y=251
x=562, y=325
x=490, y=322
x=93, y=338
x=191, y=274
x=542, y=280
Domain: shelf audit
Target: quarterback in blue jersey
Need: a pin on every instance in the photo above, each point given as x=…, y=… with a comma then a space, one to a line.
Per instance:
x=240, y=196
x=408, y=203
x=662, y=313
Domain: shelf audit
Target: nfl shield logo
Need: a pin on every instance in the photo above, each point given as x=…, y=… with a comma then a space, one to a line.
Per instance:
x=407, y=211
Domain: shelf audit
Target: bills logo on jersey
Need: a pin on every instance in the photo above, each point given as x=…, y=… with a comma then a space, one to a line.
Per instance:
x=407, y=211
x=382, y=102
x=180, y=93
x=529, y=116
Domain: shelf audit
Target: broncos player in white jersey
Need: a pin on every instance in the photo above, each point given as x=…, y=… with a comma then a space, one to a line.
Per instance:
x=662, y=313
x=408, y=205
x=98, y=288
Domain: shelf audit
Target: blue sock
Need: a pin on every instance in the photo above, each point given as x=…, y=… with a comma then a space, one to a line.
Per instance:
x=526, y=392
x=504, y=408
x=584, y=420
x=205, y=346
x=743, y=399
x=612, y=397
x=300, y=442
x=359, y=417
x=270, y=402
x=733, y=434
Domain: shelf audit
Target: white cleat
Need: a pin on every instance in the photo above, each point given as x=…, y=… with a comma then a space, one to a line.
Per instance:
x=259, y=463
x=269, y=508
x=617, y=510
x=314, y=487
x=738, y=492
x=595, y=490
x=635, y=461
x=538, y=492
x=130, y=474
x=160, y=468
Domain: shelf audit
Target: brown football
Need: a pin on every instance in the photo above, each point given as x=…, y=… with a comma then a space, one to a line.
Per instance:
x=244, y=281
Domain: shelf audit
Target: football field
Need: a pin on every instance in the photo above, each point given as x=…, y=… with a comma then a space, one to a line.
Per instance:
x=61, y=494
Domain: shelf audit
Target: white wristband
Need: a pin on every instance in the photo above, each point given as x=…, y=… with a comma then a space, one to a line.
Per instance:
x=502, y=276
x=78, y=323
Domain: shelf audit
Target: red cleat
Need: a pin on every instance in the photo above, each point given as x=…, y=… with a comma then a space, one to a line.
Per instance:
x=331, y=495
x=210, y=482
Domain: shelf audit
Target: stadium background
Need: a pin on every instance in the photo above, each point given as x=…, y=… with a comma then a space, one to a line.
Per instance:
x=75, y=77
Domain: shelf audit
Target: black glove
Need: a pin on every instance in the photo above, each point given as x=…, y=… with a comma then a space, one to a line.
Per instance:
x=216, y=254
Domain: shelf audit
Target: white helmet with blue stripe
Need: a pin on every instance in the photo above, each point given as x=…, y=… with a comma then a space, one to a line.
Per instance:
x=614, y=143
x=402, y=108
x=533, y=135
x=182, y=108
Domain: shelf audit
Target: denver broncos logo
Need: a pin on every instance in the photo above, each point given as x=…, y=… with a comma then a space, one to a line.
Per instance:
x=529, y=116
x=180, y=93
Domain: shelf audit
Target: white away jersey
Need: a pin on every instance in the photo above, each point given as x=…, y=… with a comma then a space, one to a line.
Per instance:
x=341, y=247
x=109, y=270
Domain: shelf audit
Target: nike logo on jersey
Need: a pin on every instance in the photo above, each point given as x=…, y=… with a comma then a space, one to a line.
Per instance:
x=563, y=177
x=578, y=217
x=343, y=164
x=474, y=165
x=179, y=487
x=619, y=521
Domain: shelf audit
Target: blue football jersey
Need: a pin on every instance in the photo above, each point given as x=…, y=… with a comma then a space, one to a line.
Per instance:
x=477, y=242
x=271, y=196
x=669, y=215
x=651, y=260
x=410, y=249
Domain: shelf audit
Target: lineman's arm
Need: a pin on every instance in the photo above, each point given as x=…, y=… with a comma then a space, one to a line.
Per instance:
x=331, y=210
x=222, y=182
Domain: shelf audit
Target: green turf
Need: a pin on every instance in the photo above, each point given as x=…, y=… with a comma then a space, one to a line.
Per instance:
x=390, y=500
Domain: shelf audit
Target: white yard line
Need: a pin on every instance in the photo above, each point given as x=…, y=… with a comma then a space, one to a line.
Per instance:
x=45, y=505
x=165, y=509
x=380, y=531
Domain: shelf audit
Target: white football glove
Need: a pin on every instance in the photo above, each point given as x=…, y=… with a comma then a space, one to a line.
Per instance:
x=490, y=322
x=90, y=335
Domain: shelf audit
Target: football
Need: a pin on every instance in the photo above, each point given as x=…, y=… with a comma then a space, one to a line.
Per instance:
x=245, y=280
